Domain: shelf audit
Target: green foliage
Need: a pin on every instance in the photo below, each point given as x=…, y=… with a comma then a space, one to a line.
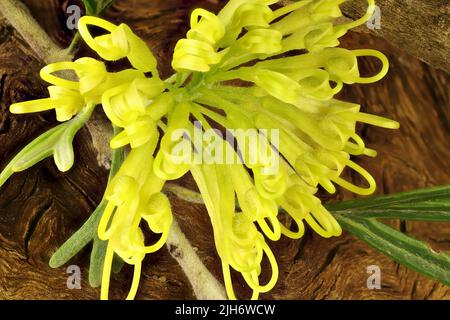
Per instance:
x=359, y=217
x=95, y=7
x=57, y=142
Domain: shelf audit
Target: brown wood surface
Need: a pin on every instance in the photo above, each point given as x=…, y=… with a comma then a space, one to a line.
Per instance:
x=41, y=207
x=420, y=27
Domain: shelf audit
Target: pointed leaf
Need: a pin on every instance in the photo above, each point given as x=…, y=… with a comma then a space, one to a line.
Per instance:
x=95, y=7
x=37, y=150
x=90, y=6
x=426, y=205
x=97, y=260
x=79, y=239
x=403, y=249
x=63, y=154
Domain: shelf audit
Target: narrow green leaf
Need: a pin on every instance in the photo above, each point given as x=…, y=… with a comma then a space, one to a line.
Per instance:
x=90, y=6
x=104, y=4
x=400, y=247
x=88, y=233
x=97, y=260
x=397, y=198
x=358, y=217
x=95, y=7
x=79, y=239
x=36, y=154
x=416, y=214
x=426, y=205
x=63, y=153
x=99, y=246
x=59, y=138
x=37, y=150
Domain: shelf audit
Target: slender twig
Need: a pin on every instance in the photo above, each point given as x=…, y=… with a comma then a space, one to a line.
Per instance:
x=204, y=284
x=20, y=18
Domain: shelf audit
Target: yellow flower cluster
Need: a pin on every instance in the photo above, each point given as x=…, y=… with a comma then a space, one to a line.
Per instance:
x=292, y=94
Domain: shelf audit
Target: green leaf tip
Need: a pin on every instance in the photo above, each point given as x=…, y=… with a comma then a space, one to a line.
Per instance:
x=56, y=141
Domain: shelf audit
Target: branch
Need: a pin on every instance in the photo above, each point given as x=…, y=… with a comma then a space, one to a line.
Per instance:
x=20, y=18
x=204, y=284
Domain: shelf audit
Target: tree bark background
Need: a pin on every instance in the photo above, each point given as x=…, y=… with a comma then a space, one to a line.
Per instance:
x=421, y=27
x=41, y=208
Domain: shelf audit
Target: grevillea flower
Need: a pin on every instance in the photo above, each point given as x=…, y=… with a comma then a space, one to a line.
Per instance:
x=291, y=69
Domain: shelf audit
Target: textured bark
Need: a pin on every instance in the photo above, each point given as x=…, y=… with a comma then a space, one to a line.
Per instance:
x=41, y=208
x=420, y=27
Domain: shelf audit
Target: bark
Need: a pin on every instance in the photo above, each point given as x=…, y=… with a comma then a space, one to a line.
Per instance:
x=419, y=27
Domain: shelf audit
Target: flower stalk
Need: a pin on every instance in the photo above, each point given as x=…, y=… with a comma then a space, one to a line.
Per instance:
x=18, y=15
